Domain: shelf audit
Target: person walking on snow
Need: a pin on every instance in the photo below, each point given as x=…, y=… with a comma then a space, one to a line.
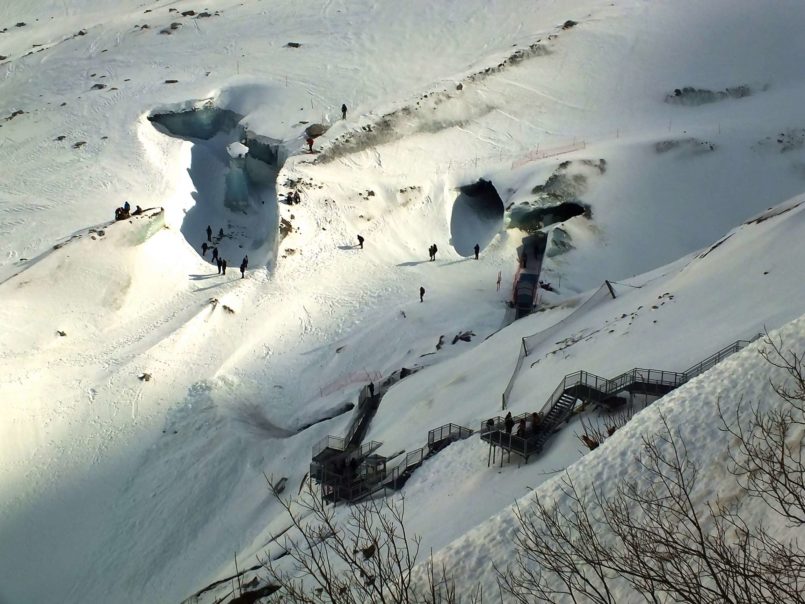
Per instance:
x=209, y=233
x=215, y=253
x=309, y=142
x=421, y=294
x=344, y=111
x=243, y=266
x=477, y=249
x=220, y=233
x=430, y=253
x=218, y=262
x=204, y=247
x=360, y=241
x=498, y=281
x=223, y=267
x=435, y=249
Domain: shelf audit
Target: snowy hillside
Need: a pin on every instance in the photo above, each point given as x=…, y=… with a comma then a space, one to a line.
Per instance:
x=143, y=395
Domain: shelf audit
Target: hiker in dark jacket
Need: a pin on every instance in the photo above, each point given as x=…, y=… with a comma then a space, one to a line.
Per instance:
x=360, y=241
x=297, y=199
x=220, y=233
x=435, y=249
x=218, y=262
x=508, y=423
x=204, y=247
x=344, y=111
x=477, y=249
x=209, y=233
x=536, y=420
x=223, y=267
x=521, y=428
x=243, y=266
x=215, y=253
x=421, y=294
x=430, y=253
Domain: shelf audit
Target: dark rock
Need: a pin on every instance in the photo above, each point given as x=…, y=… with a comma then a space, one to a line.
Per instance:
x=460, y=86
x=293, y=44
x=21, y=24
x=174, y=26
x=61, y=137
x=61, y=333
x=568, y=24
x=314, y=130
x=188, y=13
x=79, y=144
x=171, y=81
x=98, y=86
x=203, y=14
x=82, y=32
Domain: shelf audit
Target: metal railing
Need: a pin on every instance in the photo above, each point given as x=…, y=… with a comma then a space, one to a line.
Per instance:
x=716, y=358
x=448, y=432
x=329, y=442
x=588, y=386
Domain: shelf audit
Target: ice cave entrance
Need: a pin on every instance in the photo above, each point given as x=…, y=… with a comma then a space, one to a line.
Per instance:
x=234, y=175
x=528, y=218
x=477, y=217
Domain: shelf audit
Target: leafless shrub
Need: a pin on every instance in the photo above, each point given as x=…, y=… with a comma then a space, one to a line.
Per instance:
x=651, y=536
x=596, y=431
x=768, y=459
x=369, y=557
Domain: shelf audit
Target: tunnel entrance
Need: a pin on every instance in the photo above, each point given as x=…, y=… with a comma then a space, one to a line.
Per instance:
x=530, y=219
x=477, y=217
x=203, y=122
x=234, y=176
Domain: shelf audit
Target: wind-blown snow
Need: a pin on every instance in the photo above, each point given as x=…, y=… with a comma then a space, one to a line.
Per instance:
x=117, y=488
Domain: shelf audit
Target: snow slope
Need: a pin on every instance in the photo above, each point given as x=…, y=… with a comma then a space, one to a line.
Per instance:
x=120, y=489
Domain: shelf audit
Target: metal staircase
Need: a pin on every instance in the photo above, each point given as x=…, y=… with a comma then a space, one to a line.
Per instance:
x=590, y=388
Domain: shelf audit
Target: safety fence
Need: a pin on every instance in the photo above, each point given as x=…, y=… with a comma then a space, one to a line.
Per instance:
x=530, y=343
x=357, y=377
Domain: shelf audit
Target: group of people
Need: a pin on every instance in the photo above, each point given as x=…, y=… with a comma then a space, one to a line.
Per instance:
x=216, y=258
x=124, y=212
x=523, y=430
x=293, y=198
x=220, y=234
